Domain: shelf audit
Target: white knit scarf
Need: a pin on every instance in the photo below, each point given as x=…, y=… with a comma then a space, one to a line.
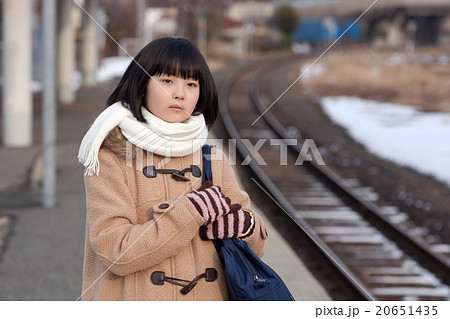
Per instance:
x=156, y=136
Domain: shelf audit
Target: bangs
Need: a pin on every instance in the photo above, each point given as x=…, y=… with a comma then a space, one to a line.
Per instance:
x=179, y=60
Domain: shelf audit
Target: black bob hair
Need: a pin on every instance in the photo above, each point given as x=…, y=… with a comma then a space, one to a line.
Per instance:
x=174, y=57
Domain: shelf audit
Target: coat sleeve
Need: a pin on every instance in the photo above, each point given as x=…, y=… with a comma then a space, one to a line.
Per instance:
x=123, y=245
x=230, y=187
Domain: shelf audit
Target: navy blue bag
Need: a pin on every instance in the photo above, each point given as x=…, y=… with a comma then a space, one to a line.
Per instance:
x=248, y=277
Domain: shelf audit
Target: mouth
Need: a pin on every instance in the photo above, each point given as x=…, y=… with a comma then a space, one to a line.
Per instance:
x=176, y=107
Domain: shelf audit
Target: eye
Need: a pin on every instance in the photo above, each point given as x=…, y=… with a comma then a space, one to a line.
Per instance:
x=166, y=80
x=193, y=84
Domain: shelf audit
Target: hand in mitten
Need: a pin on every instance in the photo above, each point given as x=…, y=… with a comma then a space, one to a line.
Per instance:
x=210, y=202
x=237, y=223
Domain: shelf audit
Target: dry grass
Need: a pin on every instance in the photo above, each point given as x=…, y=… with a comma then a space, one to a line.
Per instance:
x=421, y=79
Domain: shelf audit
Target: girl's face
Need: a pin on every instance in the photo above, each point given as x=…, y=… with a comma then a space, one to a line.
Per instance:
x=172, y=98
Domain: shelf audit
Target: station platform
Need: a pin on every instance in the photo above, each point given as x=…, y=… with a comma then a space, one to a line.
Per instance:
x=41, y=250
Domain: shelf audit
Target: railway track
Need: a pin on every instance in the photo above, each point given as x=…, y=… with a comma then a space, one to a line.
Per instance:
x=374, y=256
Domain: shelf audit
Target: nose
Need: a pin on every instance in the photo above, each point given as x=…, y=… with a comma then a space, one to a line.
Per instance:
x=178, y=93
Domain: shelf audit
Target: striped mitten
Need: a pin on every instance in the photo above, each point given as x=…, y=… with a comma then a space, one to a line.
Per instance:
x=210, y=202
x=237, y=223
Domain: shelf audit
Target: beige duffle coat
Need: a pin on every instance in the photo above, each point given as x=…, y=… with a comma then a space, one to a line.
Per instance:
x=130, y=232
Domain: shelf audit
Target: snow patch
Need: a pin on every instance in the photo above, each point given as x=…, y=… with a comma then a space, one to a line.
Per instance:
x=307, y=72
x=398, y=133
x=112, y=67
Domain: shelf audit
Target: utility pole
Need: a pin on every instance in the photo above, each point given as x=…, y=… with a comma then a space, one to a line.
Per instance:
x=17, y=70
x=66, y=52
x=249, y=27
x=202, y=32
x=49, y=105
x=141, y=5
x=90, y=45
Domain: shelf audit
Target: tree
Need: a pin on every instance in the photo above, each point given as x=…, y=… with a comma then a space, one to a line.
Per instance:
x=286, y=18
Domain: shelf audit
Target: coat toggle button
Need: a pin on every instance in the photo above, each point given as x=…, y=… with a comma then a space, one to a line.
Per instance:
x=163, y=206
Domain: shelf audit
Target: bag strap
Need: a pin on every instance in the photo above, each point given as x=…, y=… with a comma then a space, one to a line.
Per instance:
x=207, y=171
x=207, y=176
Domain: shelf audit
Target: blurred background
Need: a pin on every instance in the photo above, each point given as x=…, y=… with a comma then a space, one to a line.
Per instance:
x=388, y=66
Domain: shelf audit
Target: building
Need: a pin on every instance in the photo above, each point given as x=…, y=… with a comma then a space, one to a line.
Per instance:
x=392, y=23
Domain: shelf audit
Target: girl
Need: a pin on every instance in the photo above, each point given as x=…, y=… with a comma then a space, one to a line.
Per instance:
x=149, y=228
